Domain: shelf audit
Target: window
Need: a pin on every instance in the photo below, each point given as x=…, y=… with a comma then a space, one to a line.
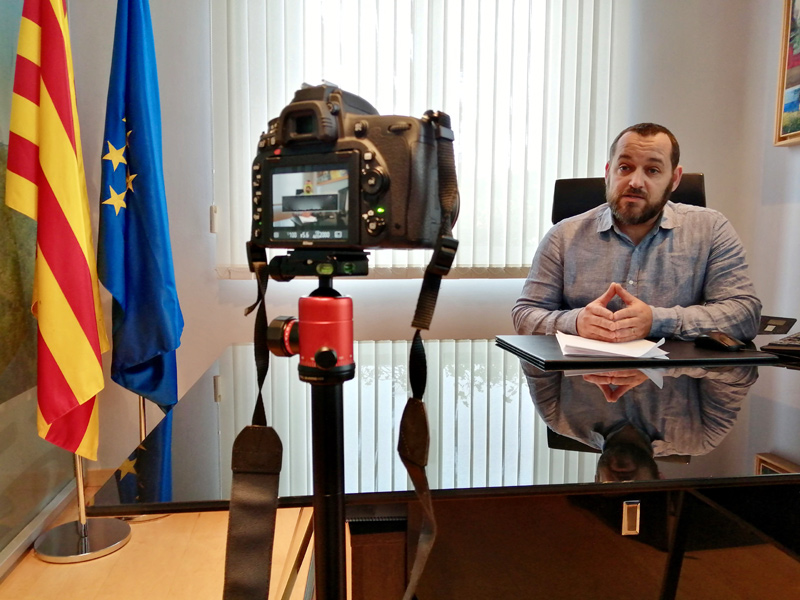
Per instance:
x=526, y=83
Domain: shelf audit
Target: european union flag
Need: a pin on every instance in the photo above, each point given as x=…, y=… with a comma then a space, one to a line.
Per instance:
x=147, y=474
x=134, y=254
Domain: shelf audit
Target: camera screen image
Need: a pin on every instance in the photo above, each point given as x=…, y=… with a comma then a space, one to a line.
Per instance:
x=310, y=202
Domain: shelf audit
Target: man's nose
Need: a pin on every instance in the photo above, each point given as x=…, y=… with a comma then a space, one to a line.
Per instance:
x=636, y=179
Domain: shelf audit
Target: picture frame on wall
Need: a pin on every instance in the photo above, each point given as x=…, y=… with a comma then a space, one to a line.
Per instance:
x=787, y=121
x=772, y=464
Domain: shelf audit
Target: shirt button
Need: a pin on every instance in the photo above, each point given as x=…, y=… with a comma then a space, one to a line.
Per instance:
x=630, y=281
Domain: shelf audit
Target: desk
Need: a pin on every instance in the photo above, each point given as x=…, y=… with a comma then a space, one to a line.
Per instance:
x=493, y=473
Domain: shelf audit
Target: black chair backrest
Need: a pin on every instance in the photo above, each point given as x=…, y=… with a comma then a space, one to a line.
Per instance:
x=575, y=196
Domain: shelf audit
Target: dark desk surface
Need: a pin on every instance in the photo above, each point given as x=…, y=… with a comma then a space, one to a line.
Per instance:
x=544, y=352
x=496, y=428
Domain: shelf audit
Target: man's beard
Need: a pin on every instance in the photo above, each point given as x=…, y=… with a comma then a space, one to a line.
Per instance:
x=630, y=214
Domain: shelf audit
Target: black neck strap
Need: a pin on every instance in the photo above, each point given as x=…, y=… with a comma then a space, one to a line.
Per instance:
x=256, y=465
x=414, y=439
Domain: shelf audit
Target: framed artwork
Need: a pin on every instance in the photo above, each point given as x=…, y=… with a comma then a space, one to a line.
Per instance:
x=772, y=464
x=331, y=176
x=787, y=121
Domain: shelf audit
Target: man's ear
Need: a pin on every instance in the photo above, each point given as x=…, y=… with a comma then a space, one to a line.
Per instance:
x=676, y=177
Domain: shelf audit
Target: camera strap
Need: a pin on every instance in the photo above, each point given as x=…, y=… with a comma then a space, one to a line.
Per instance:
x=414, y=438
x=256, y=465
x=257, y=450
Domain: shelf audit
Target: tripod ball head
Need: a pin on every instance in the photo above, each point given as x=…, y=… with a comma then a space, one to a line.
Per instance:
x=322, y=336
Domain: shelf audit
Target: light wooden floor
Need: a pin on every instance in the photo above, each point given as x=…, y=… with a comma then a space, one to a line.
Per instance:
x=180, y=556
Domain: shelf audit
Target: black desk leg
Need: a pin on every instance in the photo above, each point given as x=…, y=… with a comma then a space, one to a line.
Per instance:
x=679, y=516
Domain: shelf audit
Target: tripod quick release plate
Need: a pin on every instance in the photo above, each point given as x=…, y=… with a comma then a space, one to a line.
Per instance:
x=319, y=263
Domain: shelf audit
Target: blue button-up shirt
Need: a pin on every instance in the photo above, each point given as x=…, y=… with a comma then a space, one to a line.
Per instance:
x=690, y=415
x=690, y=268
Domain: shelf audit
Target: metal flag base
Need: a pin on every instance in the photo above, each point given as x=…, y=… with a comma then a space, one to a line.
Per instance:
x=81, y=540
x=77, y=542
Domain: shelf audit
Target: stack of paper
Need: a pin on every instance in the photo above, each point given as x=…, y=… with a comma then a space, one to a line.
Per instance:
x=574, y=345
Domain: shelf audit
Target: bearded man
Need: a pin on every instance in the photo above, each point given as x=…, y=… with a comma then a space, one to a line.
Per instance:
x=640, y=266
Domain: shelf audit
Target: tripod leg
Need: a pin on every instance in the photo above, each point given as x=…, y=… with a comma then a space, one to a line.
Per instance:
x=329, y=524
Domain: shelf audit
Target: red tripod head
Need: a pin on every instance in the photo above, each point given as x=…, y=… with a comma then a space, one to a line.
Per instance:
x=322, y=336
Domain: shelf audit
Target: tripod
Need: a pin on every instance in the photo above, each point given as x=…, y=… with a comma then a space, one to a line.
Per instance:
x=323, y=337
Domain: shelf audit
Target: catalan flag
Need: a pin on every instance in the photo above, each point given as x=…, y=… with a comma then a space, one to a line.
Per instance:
x=45, y=180
x=134, y=252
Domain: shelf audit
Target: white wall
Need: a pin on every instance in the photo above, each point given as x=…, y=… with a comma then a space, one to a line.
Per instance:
x=772, y=174
x=706, y=69
x=682, y=63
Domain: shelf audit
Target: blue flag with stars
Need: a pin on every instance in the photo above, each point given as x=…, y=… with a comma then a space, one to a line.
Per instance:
x=146, y=476
x=134, y=257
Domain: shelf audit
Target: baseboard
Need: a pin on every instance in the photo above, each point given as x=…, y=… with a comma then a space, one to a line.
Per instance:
x=16, y=549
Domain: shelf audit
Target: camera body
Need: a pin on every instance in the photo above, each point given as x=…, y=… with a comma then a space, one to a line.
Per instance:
x=332, y=173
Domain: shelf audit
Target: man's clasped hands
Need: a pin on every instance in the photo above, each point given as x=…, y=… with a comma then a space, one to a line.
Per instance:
x=633, y=322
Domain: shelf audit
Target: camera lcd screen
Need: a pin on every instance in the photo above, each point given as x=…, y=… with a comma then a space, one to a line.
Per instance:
x=310, y=203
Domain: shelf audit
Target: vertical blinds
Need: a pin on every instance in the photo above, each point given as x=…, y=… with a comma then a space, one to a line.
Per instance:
x=526, y=83
x=484, y=428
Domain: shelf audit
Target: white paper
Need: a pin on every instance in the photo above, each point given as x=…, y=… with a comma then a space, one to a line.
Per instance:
x=574, y=345
x=656, y=376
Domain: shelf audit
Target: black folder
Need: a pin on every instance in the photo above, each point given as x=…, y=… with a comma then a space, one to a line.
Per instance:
x=544, y=352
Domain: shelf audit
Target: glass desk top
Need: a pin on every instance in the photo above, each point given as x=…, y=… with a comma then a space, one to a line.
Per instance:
x=498, y=426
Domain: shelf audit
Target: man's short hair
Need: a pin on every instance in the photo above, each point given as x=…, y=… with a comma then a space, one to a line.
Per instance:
x=649, y=130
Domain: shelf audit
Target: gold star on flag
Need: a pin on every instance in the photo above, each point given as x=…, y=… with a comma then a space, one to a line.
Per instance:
x=129, y=179
x=115, y=155
x=129, y=466
x=116, y=200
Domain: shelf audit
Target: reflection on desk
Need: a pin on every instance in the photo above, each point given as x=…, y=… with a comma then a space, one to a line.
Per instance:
x=486, y=435
x=634, y=417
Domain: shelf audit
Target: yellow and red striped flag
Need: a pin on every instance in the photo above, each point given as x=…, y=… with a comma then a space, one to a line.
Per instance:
x=46, y=181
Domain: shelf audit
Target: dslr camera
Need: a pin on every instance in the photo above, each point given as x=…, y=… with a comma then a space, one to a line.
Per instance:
x=331, y=172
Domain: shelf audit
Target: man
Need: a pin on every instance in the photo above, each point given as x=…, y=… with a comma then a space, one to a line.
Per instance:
x=632, y=419
x=640, y=266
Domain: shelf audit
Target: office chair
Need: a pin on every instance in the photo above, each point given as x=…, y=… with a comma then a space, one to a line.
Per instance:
x=575, y=196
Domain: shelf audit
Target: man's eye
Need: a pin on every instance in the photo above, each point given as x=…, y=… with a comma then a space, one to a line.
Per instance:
x=623, y=168
x=654, y=171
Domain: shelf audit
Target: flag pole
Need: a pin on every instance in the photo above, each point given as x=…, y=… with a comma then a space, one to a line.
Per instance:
x=142, y=419
x=84, y=539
